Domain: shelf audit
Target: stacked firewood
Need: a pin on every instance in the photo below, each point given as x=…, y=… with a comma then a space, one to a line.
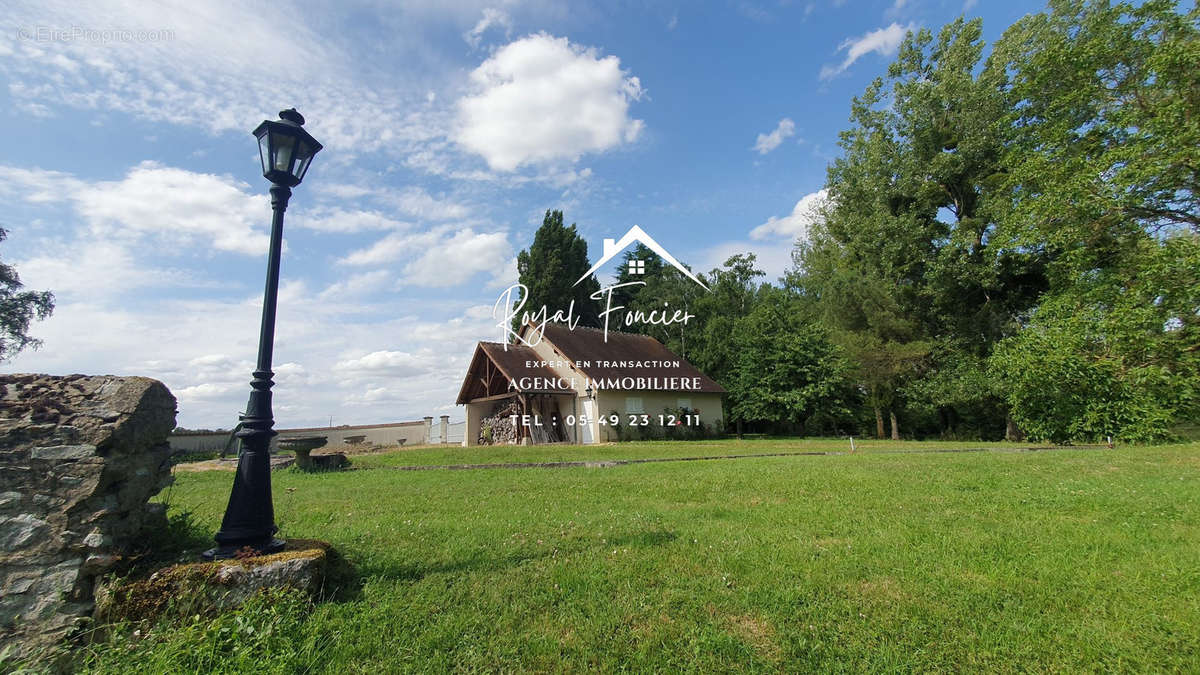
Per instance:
x=498, y=428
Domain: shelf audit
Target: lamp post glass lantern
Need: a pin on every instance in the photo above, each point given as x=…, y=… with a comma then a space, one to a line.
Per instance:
x=286, y=150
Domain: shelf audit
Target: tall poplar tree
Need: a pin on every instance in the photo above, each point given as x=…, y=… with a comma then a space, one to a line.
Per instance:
x=549, y=268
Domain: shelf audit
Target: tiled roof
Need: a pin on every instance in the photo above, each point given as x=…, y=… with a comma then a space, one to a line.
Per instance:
x=512, y=364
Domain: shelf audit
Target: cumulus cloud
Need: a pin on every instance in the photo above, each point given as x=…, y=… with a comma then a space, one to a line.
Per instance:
x=541, y=98
x=458, y=258
x=768, y=142
x=883, y=41
x=389, y=363
x=219, y=211
x=796, y=224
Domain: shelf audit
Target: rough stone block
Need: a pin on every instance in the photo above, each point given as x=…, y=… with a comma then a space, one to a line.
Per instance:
x=207, y=587
x=63, y=452
x=79, y=459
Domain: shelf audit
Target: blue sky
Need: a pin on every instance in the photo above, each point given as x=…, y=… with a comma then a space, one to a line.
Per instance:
x=133, y=190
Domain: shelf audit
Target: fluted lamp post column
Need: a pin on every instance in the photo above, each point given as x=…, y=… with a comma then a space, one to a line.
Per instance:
x=286, y=150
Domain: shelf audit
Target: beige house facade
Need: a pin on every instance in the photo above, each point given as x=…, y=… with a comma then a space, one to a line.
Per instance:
x=570, y=385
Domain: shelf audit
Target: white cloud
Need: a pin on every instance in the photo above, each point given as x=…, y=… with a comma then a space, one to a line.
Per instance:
x=796, y=224
x=492, y=18
x=201, y=71
x=439, y=258
x=389, y=363
x=346, y=221
x=412, y=201
x=356, y=285
x=772, y=242
x=456, y=260
x=204, y=352
x=174, y=207
x=390, y=250
x=768, y=142
x=342, y=190
x=541, y=99
x=94, y=270
x=417, y=203
x=179, y=207
x=507, y=276
x=898, y=9
x=883, y=41
x=969, y=5
x=771, y=258
x=36, y=186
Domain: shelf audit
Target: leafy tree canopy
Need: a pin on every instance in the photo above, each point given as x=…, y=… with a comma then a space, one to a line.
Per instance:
x=549, y=269
x=18, y=308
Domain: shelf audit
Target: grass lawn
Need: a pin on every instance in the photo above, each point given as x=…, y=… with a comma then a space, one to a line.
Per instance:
x=998, y=561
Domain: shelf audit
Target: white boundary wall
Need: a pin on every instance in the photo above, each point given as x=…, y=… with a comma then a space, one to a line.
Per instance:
x=421, y=432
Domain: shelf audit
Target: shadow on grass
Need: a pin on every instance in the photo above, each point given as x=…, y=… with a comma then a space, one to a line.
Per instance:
x=481, y=561
x=343, y=582
x=181, y=540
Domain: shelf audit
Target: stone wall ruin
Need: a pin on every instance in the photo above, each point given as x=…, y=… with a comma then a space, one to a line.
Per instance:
x=80, y=457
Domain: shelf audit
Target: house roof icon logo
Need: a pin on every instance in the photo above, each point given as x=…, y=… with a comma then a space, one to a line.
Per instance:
x=635, y=233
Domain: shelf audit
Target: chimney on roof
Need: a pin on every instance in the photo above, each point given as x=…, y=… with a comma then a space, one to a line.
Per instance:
x=609, y=248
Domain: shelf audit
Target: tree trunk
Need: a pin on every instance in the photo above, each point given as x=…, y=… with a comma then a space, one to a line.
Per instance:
x=878, y=423
x=1011, y=431
x=739, y=429
x=895, y=425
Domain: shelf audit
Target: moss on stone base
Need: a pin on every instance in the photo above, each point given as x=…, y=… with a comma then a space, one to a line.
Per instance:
x=208, y=587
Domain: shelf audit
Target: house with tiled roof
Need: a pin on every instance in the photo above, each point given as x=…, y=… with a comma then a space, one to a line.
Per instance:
x=569, y=386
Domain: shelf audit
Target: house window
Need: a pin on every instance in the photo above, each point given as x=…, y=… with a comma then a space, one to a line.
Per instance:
x=685, y=403
x=637, y=267
x=633, y=404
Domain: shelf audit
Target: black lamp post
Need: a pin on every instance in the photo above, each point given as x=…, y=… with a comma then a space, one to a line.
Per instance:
x=286, y=150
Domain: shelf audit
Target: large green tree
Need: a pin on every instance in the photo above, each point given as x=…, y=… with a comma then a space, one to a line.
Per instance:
x=18, y=308
x=733, y=292
x=1103, y=169
x=708, y=339
x=785, y=370
x=549, y=268
x=909, y=263
x=1106, y=120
